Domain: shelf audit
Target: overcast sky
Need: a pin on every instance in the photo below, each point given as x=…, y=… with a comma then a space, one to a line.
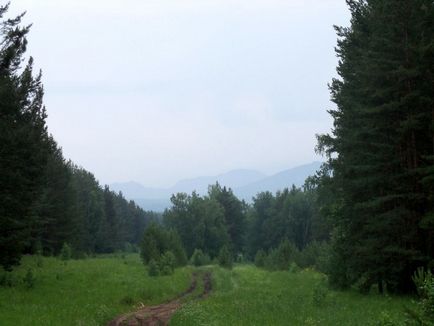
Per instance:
x=161, y=90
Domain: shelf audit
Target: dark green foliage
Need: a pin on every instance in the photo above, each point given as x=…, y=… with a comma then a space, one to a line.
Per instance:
x=234, y=214
x=153, y=268
x=381, y=151
x=199, y=258
x=29, y=279
x=424, y=282
x=157, y=241
x=285, y=254
x=176, y=247
x=290, y=214
x=23, y=140
x=199, y=221
x=281, y=258
x=154, y=243
x=315, y=254
x=260, y=258
x=225, y=258
x=7, y=278
x=65, y=253
x=167, y=263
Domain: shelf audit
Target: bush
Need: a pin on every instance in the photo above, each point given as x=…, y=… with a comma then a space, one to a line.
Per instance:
x=7, y=279
x=286, y=253
x=260, y=258
x=176, y=247
x=65, y=252
x=153, y=268
x=29, y=280
x=167, y=263
x=293, y=268
x=157, y=240
x=270, y=262
x=129, y=248
x=424, y=281
x=225, y=258
x=199, y=258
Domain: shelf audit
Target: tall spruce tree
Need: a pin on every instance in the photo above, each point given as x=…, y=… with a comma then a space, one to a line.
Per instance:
x=23, y=139
x=381, y=149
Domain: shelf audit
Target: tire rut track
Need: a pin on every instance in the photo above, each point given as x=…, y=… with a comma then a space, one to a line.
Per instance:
x=160, y=314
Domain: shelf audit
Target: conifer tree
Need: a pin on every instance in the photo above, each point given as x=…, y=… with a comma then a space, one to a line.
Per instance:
x=381, y=148
x=23, y=138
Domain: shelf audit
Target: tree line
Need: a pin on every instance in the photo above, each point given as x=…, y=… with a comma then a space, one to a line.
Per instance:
x=219, y=220
x=46, y=201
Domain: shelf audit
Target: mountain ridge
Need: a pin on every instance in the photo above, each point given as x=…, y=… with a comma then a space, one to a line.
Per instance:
x=244, y=183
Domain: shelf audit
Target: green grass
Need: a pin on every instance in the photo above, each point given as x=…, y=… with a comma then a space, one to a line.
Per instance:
x=250, y=296
x=94, y=291
x=84, y=292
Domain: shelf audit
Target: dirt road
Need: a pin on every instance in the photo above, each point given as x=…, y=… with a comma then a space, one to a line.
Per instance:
x=161, y=314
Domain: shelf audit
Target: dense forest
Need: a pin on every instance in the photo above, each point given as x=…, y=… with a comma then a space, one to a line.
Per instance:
x=366, y=218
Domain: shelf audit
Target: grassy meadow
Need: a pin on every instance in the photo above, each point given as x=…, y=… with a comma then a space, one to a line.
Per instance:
x=84, y=292
x=251, y=296
x=93, y=291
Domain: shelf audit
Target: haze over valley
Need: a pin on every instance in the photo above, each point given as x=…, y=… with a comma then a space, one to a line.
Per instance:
x=245, y=184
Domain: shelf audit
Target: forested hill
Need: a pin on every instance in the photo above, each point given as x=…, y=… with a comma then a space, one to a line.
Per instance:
x=245, y=184
x=46, y=201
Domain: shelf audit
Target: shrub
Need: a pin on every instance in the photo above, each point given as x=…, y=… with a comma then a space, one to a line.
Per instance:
x=225, y=257
x=420, y=279
x=270, y=262
x=322, y=263
x=7, y=279
x=29, y=280
x=260, y=258
x=65, y=252
x=175, y=245
x=157, y=240
x=199, y=258
x=424, y=281
x=167, y=263
x=285, y=254
x=293, y=268
x=129, y=248
x=385, y=320
x=153, y=268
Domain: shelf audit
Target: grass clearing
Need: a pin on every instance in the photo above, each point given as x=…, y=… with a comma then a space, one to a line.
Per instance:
x=95, y=290
x=84, y=292
x=251, y=296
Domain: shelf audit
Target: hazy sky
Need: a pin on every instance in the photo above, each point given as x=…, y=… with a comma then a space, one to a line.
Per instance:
x=160, y=90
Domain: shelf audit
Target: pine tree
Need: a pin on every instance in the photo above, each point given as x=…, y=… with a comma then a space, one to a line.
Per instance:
x=381, y=148
x=23, y=139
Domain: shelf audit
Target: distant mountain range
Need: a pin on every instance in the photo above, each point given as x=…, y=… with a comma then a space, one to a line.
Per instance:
x=244, y=183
